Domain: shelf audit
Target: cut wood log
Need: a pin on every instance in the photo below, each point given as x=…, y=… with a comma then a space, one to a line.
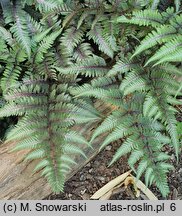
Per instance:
x=16, y=179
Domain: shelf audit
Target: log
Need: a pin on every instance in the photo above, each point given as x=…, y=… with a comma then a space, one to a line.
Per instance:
x=17, y=181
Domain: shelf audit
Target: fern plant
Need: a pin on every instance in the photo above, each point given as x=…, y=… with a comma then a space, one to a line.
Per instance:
x=158, y=86
x=48, y=113
x=167, y=34
x=46, y=48
x=143, y=109
x=33, y=53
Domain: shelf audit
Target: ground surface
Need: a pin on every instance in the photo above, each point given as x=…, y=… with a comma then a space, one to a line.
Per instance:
x=96, y=174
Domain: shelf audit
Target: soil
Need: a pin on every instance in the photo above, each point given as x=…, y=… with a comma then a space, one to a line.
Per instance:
x=97, y=173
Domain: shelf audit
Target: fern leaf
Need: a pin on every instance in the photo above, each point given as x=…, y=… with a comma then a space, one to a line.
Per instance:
x=6, y=35
x=155, y=4
x=71, y=38
x=44, y=163
x=68, y=159
x=10, y=76
x=124, y=149
x=40, y=153
x=118, y=133
x=162, y=34
x=148, y=174
x=161, y=183
x=46, y=44
x=143, y=18
x=133, y=82
x=92, y=66
x=172, y=130
x=107, y=125
x=149, y=103
x=175, y=56
x=135, y=156
x=83, y=16
x=30, y=143
x=74, y=137
x=141, y=168
x=82, y=51
x=73, y=150
x=63, y=9
x=20, y=30
x=177, y=5
x=48, y=5
x=100, y=39
x=121, y=67
x=166, y=50
x=170, y=69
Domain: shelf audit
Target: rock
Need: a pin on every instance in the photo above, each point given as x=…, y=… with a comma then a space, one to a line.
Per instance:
x=101, y=178
x=90, y=170
x=174, y=194
x=86, y=196
x=180, y=171
x=83, y=191
x=108, y=148
x=82, y=177
x=89, y=176
x=70, y=195
x=88, y=165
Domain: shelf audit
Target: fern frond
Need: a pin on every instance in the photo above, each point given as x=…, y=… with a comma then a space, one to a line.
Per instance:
x=6, y=35
x=141, y=168
x=155, y=4
x=135, y=156
x=118, y=133
x=62, y=57
x=143, y=18
x=175, y=56
x=46, y=44
x=92, y=66
x=167, y=51
x=161, y=35
x=170, y=69
x=10, y=76
x=72, y=149
x=63, y=9
x=82, y=52
x=19, y=29
x=101, y=40
x=177, y=4
x=124, y=149
x=107, y=125
x=89, y=91
x=122, y=66
x=71, y=38
x=133, y=82
x=48, y=5
x=45, y=128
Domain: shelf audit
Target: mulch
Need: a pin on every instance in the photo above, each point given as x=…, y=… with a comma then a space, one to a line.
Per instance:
x=97, y=173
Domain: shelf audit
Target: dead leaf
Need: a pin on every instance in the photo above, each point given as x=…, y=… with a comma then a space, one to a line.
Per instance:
x=141, y=186
x=111, y=192
x=106, y=196
x=110, y=185
x=131, y=180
